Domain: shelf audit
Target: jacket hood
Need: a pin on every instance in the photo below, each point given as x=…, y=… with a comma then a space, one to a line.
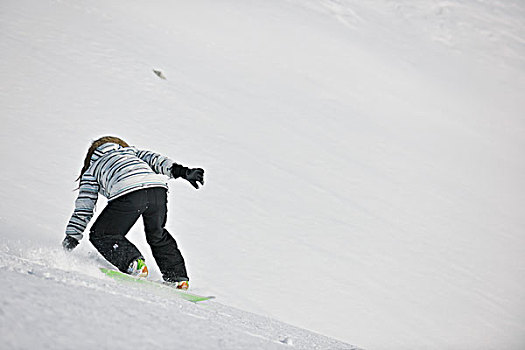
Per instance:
x=104, y=149
x=103, y=145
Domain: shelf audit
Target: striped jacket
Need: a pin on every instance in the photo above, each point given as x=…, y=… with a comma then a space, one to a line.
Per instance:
x=114, y=172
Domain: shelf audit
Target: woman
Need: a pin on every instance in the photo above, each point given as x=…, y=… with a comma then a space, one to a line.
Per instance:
x=135, y=185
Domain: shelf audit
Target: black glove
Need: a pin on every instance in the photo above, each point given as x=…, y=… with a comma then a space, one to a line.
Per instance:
x=69, y=243
x=193, y=176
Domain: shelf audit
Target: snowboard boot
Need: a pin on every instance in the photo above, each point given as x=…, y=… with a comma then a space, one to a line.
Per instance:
x=184, y=285
x=138, y=268
x=177, y=282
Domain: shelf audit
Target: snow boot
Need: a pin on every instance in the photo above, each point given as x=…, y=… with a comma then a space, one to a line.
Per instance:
x=184, y=285
x=179, y=283
x=138, y=268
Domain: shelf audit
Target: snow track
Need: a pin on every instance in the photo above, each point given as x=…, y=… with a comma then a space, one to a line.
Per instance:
x=71, y=309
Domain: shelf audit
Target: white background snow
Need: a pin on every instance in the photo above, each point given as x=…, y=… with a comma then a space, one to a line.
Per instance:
x=364, y=170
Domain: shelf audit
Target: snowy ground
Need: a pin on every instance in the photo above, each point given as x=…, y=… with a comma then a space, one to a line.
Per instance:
x=364, y=166
x=53, y=308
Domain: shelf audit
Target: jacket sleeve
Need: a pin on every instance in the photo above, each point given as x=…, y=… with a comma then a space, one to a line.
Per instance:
x=158, y=163
x=84, y=206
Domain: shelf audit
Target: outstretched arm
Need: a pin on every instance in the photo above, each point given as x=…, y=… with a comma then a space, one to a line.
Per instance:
x=163, y=165
x=158, y=163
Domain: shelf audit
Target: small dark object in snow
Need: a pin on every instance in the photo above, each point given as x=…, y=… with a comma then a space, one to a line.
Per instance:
x=287, y=341
x=159, y=74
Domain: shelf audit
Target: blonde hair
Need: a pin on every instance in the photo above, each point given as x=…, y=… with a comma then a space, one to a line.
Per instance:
x=95, y=145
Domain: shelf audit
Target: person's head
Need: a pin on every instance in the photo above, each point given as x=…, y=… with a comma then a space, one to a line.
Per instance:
x=95, y=145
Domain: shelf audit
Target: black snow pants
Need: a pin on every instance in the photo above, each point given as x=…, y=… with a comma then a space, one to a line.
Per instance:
x=108, y=233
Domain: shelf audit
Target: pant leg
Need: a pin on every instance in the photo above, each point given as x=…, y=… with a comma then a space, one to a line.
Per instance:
x=109, y=230
x=163, y=245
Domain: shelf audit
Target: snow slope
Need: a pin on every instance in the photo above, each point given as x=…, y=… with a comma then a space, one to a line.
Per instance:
x=363, y=162
x=56, y=308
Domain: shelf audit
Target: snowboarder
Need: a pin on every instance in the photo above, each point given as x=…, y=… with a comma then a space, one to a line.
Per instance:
x=134, y=184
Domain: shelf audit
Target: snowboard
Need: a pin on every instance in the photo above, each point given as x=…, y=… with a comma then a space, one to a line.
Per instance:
x=119, y=276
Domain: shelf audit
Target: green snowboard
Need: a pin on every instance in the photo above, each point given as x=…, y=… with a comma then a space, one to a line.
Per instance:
x=117, y=275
